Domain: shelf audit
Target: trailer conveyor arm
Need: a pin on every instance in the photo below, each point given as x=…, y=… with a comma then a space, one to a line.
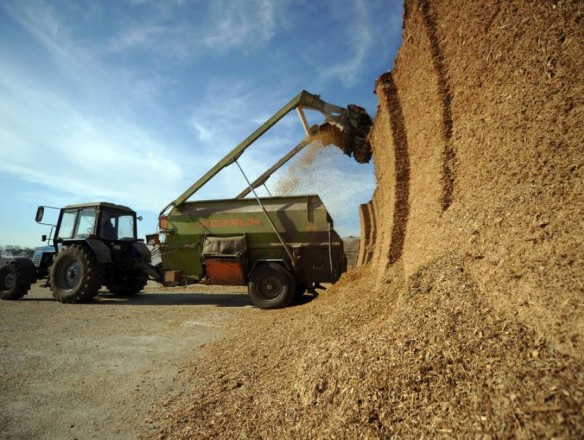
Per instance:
x=304, y=99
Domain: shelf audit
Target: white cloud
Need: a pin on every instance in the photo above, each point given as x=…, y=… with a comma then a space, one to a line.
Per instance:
x=219, y=25
x=359, y=39
x=222, y=116
x=80, y=59
x=230, y=110
x=136, y=36
x=237, y=24
x=55, y=145
x=44, y=24
x=178, y=42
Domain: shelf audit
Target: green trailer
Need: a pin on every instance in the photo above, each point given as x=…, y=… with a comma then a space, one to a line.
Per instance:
x=278, y=246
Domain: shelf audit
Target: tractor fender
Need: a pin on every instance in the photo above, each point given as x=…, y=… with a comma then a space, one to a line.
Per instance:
x=142, y=250
x=102, y=253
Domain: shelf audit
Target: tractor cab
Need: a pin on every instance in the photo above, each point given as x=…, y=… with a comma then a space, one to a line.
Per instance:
x=101, y=221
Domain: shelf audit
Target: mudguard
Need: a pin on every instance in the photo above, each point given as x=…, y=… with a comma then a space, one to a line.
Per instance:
x=143, y=251
x=259, y=262
x=102, y=253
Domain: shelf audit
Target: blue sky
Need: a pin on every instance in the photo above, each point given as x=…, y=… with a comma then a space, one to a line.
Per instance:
x=132, y=101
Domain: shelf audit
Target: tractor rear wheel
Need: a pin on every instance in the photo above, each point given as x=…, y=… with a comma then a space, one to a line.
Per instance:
x=271, y=286
x=76, y=276
x=12, y=280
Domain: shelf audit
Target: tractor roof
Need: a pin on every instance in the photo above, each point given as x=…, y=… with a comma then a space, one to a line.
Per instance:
x=100, y=205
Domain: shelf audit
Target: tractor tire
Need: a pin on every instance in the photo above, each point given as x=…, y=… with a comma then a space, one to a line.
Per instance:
x=131, y=286
x=301, y=289
x=271, y=286
x=13, y=282
x=76, y=276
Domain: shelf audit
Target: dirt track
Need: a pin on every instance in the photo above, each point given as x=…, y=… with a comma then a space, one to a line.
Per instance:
x=96, y=370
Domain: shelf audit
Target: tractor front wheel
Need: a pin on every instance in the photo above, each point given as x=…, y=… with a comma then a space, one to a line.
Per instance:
x=76, y=276
x=271, y=286
x=13, y=284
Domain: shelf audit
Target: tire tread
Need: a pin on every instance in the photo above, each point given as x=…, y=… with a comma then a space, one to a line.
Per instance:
x=91, y=278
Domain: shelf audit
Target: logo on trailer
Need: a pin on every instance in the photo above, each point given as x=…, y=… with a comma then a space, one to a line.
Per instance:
x=231, y=223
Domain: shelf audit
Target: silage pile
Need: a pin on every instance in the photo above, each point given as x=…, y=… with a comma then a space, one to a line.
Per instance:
x=466, y=317
x=478, y=150
x=419, y=360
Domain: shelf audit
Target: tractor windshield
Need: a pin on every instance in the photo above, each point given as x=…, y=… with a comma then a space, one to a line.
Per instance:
x=77, y=223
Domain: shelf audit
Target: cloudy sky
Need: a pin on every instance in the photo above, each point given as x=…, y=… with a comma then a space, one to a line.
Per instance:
x=131, y=101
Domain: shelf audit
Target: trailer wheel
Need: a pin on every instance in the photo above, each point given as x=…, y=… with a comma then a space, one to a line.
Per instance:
x=271, y=286
x=76, y=276
x=13, y=284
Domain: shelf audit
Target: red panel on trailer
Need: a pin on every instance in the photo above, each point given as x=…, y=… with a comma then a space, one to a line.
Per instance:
x=226, y=271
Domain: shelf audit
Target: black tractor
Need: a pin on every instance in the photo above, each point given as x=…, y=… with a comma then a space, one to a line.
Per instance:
x=95, y=244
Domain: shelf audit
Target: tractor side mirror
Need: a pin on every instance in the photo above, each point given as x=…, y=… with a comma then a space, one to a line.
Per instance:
x=40, y=213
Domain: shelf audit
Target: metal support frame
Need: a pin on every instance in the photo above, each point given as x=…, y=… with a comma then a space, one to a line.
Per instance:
x=303, y=120
x=304, y=99
x=292, y=259
x=266, y=175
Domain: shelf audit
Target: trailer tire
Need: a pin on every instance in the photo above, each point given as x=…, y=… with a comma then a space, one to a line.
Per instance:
x=13, y=282
x=271, y=286
x=76, y=276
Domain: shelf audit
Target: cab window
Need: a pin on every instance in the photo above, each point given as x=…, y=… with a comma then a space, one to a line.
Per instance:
x=86, y=223
x=68, y=221
x=126, y=227
x=77, y=223
x=117, y=226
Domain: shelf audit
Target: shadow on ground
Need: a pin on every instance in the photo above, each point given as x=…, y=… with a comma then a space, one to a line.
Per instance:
x=236, y=299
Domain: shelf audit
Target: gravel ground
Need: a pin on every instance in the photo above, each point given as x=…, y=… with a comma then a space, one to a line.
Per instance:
x=97, y=370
